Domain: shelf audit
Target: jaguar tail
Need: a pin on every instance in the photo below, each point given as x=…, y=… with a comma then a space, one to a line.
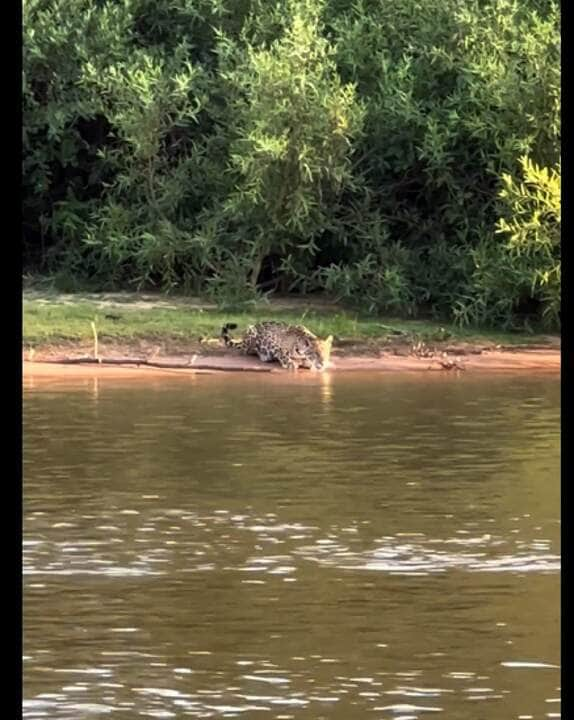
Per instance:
x=225, y=333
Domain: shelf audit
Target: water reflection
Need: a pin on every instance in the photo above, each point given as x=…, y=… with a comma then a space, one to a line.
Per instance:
x=326, y=548
x=326, y=390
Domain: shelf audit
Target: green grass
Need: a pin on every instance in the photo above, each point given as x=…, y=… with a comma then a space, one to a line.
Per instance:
x=48, y=318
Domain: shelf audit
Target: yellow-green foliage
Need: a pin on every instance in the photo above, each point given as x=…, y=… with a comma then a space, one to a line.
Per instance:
x=521, y=262
x=531, y=229
x=533, y=205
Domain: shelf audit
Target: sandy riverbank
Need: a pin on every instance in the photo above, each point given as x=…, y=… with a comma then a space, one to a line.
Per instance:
x=530, y=361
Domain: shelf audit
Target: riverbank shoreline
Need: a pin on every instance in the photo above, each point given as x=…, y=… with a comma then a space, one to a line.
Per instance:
x=531, y=361
x=136, y=335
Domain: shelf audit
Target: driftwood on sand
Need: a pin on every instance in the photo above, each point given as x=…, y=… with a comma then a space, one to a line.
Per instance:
x=189, y=364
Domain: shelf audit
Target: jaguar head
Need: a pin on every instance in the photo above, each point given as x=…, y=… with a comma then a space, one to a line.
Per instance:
x=321, y=353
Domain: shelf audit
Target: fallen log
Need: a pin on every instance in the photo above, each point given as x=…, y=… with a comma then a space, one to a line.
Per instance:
x=189, y=365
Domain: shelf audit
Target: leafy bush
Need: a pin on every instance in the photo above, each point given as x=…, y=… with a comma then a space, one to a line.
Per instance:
x=454, y=92
x=227, y=148
x=525, y=266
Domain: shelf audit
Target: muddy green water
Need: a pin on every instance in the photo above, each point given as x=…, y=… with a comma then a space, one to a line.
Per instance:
x=333, y=547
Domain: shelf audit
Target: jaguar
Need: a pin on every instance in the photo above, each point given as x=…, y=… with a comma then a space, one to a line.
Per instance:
x=293, y=346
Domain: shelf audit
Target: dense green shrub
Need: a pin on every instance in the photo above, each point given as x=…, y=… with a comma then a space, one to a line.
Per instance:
x=526, y=265
x=366, y=149
x=454, y=92
x=293, y=124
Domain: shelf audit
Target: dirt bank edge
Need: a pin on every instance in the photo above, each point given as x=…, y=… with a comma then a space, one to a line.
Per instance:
x=531, y=361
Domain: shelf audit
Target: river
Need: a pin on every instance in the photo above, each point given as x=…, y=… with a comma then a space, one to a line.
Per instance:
x=329, y=547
